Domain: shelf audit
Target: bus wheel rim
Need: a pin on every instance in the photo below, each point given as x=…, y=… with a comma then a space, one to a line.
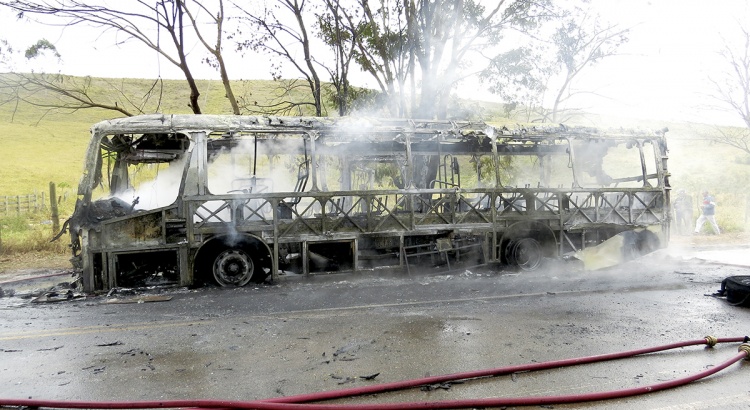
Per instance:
x=233, y=267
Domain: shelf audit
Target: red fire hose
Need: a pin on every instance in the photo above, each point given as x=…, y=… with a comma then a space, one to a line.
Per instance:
x=302, y=402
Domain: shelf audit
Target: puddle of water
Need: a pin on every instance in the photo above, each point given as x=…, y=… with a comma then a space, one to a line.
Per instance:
x=728, y=256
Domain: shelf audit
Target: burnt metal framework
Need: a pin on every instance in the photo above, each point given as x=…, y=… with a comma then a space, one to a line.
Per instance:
x=249, y=233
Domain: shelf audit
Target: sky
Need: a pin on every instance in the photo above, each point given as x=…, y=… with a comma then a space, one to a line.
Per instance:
x=662, y=71
x=672, y=52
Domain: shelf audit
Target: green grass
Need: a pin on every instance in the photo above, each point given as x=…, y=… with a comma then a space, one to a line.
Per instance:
x=31, y=232
x=40, y=147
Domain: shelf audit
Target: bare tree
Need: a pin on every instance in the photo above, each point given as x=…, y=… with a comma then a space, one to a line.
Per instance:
x=732, y=90
x=61, y=92
x=215, y=49
x=280, y=29
x=52, y=92
x=145, y=21
x=734, y=137
x=289, y=97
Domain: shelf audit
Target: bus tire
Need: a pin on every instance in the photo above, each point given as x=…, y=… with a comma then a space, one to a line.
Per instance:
x=234, y=267
x=526, y=253
x=526, y=245
x=233, y=261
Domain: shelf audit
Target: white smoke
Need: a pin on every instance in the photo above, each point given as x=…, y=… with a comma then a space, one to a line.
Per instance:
x=239, y=170
x=160, y=191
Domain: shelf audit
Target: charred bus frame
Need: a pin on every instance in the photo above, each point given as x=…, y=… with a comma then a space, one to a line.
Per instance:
x=241, y=198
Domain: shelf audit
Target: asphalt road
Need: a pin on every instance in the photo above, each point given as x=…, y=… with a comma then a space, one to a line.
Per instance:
x=308, y=334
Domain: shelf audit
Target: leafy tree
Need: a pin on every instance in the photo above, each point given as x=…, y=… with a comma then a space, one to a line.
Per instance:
x=381, y=39
x=581, y=42
x=40, y=47
x=552, y=63
x=419, y=50
x=519, y=76
x=312, y=38
x=333, y=31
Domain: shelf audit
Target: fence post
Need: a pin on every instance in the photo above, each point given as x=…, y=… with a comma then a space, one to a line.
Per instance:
x=53, y=207
x=18, y=204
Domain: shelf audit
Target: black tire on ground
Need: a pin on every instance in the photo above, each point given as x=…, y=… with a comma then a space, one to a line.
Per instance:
x=737, y=290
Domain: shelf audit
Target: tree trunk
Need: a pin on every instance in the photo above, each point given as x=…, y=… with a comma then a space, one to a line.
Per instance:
x=227, y=85
x=315, y=81
x=194, y=93
x=180, y=44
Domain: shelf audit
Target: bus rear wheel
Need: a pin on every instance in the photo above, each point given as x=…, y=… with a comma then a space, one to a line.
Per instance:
x=233, y=267
x=526, y=253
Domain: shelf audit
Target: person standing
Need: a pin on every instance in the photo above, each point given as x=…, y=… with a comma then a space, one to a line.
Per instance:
x=683, y=212
x=708, y=210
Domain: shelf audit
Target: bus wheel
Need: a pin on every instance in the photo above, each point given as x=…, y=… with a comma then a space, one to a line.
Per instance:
x=526, y=253
x=233, y=267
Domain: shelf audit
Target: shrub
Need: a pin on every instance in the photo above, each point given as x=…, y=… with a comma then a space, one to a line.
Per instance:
x=25, y=233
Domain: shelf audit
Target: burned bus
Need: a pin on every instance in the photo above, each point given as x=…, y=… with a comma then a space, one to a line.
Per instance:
x=232, y=200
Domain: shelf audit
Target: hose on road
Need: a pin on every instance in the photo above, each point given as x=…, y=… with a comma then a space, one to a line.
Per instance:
x=305, y=401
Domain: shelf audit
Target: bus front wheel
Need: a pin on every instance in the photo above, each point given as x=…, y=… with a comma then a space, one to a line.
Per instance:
x=233, y=267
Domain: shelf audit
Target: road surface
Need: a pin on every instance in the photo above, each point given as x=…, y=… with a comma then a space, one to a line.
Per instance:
x=309, y=334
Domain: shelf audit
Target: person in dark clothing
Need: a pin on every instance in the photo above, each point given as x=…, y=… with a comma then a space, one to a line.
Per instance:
x=683, y=212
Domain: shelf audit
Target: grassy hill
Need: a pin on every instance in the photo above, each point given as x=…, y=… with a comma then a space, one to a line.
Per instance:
x=40, y=146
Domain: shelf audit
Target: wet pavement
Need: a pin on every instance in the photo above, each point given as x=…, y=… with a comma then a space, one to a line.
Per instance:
x=309, y=334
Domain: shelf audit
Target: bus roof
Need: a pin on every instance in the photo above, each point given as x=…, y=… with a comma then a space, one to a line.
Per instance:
x=350, y=127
